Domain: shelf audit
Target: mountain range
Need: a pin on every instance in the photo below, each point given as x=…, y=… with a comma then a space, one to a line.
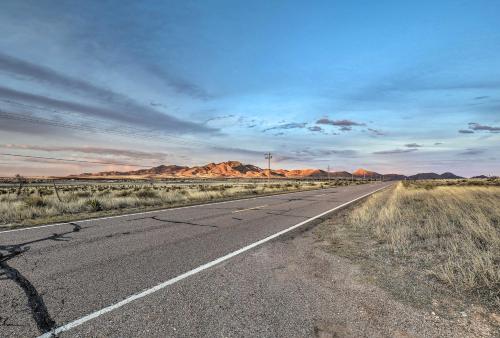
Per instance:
x=235, y=169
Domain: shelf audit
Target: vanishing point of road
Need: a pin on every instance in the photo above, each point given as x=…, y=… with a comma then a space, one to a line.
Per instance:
x=107, y=275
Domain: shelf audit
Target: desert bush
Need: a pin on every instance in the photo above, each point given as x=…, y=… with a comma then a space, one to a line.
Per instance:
x=146, y=193
x=94, y=205
x=35, y=201
x=124, y=193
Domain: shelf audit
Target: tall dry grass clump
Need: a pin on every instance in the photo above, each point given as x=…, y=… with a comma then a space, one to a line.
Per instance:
x=453, y=232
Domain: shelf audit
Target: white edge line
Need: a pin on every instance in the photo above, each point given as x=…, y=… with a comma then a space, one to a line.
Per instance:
x=205, y=266
x=150, y=212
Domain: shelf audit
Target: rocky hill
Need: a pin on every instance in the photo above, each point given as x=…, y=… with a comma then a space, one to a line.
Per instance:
x=235, y=169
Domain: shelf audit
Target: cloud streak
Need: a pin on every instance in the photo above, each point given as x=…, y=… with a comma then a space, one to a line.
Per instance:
x=316, y=129
x=472, y=152
x=287, y=126
x=395, y=151
x=122, y=108
x=144, y=117
x=375, y=132
x=482, y=127
x=134, y=154
x=339, y=123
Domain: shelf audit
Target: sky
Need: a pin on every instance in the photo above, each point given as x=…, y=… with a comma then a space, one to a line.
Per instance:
x=391, y=86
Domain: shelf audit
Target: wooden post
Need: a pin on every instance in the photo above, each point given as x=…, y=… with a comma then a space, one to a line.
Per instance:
x=57, y=192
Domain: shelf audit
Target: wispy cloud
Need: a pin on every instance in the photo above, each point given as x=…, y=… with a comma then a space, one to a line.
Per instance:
x=318, y=153
x=465, y=131
x=120, y=107
x=482, y=127
x=143, y=117
x=472, y=152
x=218, y=118
x=24, y=126
x=180, y=85
x=286, y=126
x=339, y=123
x=375, y=132
x=417, y=80
x=239, y=151
x=395, y=151
x=308, y=155
x=133, y=154
x=316, y=129
x=413, y=145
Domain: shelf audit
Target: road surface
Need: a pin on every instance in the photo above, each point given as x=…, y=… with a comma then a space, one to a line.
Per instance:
x=74, y=278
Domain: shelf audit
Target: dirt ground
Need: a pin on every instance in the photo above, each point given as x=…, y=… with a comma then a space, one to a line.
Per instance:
x=346, y=300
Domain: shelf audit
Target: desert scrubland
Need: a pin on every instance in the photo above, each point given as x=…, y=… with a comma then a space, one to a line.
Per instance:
x=38, y=204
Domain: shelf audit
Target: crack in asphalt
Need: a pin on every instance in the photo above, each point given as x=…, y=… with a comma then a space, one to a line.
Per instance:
x=172, y=221
x=35, y=302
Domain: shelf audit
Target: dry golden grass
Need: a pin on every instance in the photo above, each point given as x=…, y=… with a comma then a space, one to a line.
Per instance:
x=39, y=204
x=453, y=231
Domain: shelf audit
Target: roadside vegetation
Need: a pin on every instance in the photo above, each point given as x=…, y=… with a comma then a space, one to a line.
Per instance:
x=37, y=204
x=431, y=243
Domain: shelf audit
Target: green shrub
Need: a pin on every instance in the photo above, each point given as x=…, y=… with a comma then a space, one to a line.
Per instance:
x=94, y=204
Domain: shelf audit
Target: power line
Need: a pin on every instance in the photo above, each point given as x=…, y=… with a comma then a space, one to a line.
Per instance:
x=71, y=160
x=92, y=129
x=129, y=132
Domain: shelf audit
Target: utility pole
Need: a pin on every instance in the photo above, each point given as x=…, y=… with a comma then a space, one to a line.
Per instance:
x=328, y=172
x=268, y=158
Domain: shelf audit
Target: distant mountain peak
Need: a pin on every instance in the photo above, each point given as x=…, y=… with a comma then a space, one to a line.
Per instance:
x=366, y=173
x=236, y=169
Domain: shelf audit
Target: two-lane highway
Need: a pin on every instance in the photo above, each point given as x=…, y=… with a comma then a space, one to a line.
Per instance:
x=76, y=272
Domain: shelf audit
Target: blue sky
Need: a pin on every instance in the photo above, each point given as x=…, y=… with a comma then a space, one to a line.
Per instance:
x=391, y=86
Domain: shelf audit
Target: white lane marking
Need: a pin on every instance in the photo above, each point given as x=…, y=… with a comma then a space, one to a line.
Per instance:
x=153, y=211
x=253, y=208
x=174, y=280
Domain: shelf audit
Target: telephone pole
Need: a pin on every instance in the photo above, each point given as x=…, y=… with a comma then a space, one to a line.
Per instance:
x=268, y=158
x=328, y=172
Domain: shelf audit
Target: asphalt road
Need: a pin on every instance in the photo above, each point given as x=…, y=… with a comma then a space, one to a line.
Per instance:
x=51, y=276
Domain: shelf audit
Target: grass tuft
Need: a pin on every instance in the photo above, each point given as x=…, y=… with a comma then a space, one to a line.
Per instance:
x=94, y=205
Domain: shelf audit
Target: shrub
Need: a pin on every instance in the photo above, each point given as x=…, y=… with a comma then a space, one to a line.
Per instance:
x=35, y=201
x=146, y=193
x=124, y=193
x=94, y=205
x=82, y=194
